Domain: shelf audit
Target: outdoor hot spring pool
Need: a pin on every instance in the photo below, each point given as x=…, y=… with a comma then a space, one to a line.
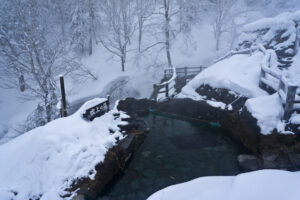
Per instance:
x=174, y=151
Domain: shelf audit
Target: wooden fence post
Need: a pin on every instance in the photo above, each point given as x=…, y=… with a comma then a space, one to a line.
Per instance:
x=63, y=97
x=289, y=104
x=262, y=75
x=167, y=90
x=281, y=85
x=108, y=102
x=154, y=92
x=185, y=71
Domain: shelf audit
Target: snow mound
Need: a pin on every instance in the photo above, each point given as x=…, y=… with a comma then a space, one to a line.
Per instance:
x=268, y=111
x=258, y=185
x=239, y=73
x=44, y=161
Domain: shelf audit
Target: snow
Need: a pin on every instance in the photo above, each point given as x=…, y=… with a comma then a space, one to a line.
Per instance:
x=295, y=118
x=216, y=104
x=91, y=103
x=45, y=160
x=268, y=111
x=258, y=185
x=284, y=21
x=239, y=73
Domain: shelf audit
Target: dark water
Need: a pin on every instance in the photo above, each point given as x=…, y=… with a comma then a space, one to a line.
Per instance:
x=174, y=151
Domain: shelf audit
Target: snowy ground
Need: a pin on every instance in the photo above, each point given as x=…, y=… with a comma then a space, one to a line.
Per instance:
x=47, y=159
x=258, y=185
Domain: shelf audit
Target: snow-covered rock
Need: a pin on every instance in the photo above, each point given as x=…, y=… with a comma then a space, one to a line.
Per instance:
x=278, y=33
x=258, y=185
x=240, y=73
x=268, y=111
x=43, y=162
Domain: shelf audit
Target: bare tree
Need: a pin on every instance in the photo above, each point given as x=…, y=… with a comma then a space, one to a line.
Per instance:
x=31, y=59
x=168, y=10
x=221, y=17
x=144, y=9
x=119, y=23
x=167, y=30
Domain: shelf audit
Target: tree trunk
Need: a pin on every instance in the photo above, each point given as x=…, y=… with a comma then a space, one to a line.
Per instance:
x=140, y=34
x=167, y=32
x=47, y=108
x=90, y=42
x=123, y=63
x=91, y=16
x=218, y=44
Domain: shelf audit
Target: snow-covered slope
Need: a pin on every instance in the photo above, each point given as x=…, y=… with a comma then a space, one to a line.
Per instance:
x=44, y=161
x=258, y=185
x=239, y=73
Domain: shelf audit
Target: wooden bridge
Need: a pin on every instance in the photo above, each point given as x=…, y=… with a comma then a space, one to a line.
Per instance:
x=173, y=81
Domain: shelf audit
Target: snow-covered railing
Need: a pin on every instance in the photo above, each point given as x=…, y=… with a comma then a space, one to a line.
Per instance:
x=289, y=93
x=184, y=71
x=95, y=108
x=285, y=90
x=167, y=87
x=231, y=53
x=268, y=64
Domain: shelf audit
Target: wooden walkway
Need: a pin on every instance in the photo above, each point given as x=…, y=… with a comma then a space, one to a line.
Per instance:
x=173, y=81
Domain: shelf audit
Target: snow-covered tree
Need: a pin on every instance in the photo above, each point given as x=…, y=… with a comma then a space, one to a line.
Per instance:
x=221, y=17
x=30, y=58
x=144, y=10
x=119, y=23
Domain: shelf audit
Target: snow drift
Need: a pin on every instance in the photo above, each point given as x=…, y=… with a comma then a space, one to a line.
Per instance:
x=43, y=162
x=258, y=185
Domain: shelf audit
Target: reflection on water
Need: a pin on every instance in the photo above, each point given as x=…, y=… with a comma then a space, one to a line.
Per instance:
x=174, y=151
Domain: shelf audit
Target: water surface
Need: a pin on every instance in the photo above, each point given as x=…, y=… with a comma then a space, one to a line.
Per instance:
x=174, y=151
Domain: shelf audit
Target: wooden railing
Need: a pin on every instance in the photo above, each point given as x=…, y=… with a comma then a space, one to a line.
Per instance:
x=286, y=91
x=172, y=75
x=165, y=87
x=184, y=71
x=232, y=52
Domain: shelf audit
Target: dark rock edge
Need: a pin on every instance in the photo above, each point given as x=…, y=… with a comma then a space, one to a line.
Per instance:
x=275, y=151
x=115, y=161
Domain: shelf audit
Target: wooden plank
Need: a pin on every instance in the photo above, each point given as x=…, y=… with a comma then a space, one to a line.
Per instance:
x=289, y=106
x=167, y=90
x=282, y=96
x=261, y=76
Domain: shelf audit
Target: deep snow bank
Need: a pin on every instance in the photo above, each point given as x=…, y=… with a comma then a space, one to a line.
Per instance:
x=258, y=185
x=43, y=162
x=239, y=73
x=268, y=111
